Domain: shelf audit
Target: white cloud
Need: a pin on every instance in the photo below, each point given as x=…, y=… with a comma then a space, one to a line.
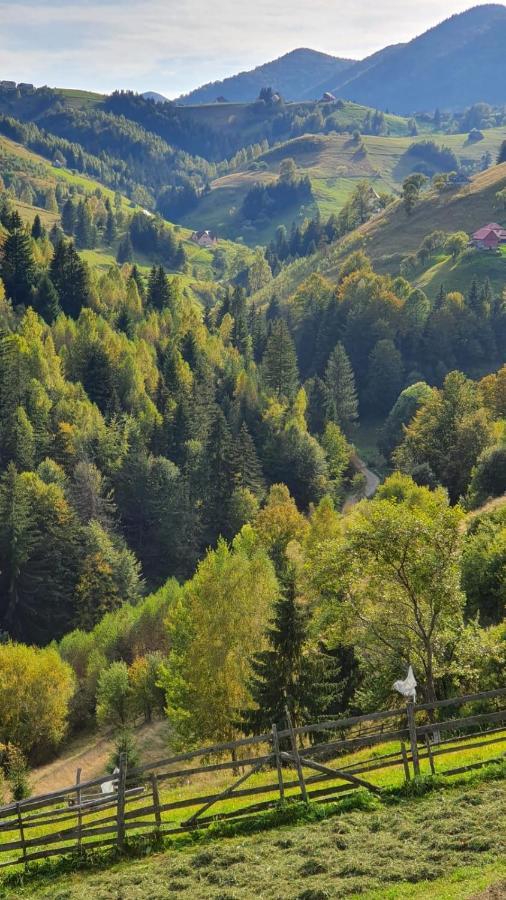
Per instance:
x=174, y=45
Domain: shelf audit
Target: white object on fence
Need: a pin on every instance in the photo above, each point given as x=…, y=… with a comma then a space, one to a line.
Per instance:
x=407, y=687
x=108, y=787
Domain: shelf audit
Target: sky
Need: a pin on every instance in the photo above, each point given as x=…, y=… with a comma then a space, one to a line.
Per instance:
x=172, y=46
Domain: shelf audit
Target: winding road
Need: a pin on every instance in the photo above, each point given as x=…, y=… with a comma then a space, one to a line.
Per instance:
x=372, y=482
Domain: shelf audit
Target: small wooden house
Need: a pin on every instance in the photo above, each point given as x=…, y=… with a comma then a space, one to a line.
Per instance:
x=204, y=238
x=489, y=237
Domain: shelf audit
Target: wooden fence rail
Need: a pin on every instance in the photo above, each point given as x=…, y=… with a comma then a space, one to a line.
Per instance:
x=70, y=821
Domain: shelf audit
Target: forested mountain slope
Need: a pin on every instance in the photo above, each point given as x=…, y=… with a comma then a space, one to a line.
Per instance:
x=454, y=64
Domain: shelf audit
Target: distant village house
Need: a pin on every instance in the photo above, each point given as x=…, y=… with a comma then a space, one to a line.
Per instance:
x=489, y=237
x=204, y=238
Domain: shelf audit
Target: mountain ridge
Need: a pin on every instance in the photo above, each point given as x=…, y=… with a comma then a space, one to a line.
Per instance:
x=458, y=62
x=282, y=74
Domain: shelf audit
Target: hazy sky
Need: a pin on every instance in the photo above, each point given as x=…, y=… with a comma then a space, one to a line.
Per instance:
x=171, y=46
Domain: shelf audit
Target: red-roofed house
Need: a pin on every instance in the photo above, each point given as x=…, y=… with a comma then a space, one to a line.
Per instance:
x=489, y=237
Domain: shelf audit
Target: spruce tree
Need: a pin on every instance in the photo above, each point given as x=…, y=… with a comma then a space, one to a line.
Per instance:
x=85, y=235
x=158, y=288
x=441, y=297
x=110, y=228
x=286, y=674
x=316, y=398
x=474, y=296
x=279, y=363
x=18, y=270
x=46, y=300
x=68, y=218
x=247, y=467
x=37, y=229
x=125, y=252
x=219, y=479
x=70, y=277
x=341, y=396
x=139, y=280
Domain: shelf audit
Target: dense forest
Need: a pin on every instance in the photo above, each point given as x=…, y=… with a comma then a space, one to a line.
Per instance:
x=185, y=525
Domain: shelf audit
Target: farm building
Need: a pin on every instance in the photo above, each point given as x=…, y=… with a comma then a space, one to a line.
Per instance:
x=489, y=237
x=204, y=238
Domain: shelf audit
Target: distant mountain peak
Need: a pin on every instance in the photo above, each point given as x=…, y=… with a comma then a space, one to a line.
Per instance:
x=152, y=95
x=291, y=75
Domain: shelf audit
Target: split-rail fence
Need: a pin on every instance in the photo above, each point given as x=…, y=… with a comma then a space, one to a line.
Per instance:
x=297, y=760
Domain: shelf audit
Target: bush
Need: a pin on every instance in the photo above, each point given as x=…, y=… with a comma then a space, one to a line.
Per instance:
x=35, y=689
x=125, y=744
x=114, y=695
x=17, y=772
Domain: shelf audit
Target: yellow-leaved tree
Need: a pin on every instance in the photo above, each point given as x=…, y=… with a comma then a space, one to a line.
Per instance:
x=35, y=689
x=215, y=627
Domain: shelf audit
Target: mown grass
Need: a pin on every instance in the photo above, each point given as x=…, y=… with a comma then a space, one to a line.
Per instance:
x=391, y=780
x=448, y=843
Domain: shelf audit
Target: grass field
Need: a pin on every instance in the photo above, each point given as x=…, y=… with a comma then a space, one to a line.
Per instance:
x=390, y=236
x=334, y=165
x=211, y=783
x=457, y=276
x=446, y=845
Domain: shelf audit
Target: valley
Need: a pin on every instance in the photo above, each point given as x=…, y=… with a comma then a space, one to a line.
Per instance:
x=253, y=464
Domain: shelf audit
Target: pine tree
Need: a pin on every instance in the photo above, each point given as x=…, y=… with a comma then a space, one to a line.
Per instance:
x=46, y=300
x=474, y=296
x=279, y=363
x=139, y=280
x=219, y=479
x=110, y=228
x=85, y=236
x=37, y=230
x=56, y=235
x=285, y=674
x=441, y=297
x=68, y=218
x=341, y=400
x=125, y=252
x=18, y=269
x=247, y=467
x=158, y=288
x=70, y=277
x=316, y=398
x=501, y=157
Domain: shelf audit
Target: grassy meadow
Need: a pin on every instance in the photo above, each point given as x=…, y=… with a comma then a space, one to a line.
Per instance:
x=335, y=163
x=447, y=844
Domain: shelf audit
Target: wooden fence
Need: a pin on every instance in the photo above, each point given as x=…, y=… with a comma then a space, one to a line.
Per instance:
x=295, y=761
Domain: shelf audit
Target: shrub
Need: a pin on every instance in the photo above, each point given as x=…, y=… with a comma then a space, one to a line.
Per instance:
x=35, y=689
x=17, y=772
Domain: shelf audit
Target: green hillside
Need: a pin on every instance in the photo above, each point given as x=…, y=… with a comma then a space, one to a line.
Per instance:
x=334, y=163
x=20, y=165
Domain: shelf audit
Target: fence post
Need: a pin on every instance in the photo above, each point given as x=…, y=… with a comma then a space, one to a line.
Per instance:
x=79, y=813
x=429, y=754
x=21, y=831
x=405, y=762
x=120, y=815
x=156, y=801
x=296, y=757
x=275, y=747
x=412, y=736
